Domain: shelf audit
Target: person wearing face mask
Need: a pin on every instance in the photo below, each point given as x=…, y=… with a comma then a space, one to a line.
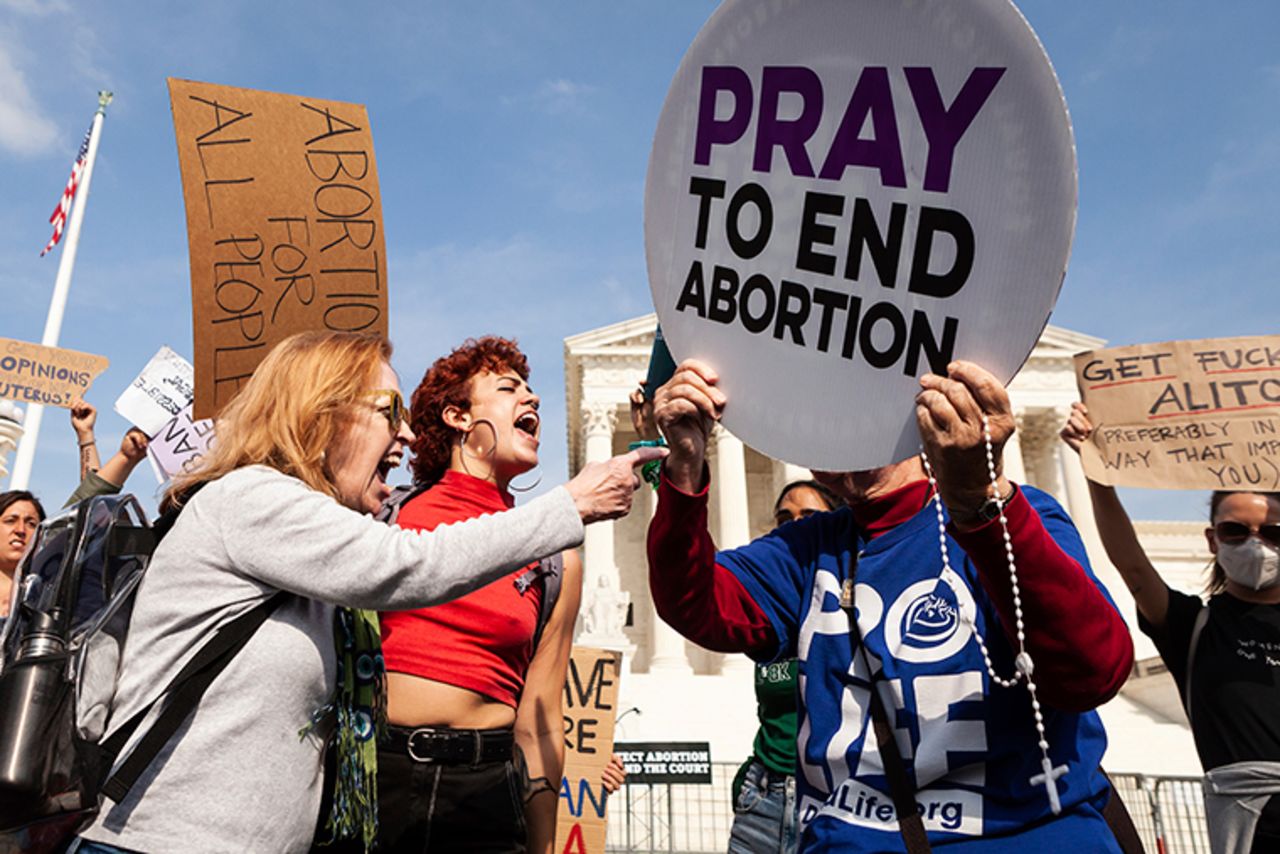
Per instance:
x=1224, y=655
x=280, y=506
x=476, y=751
x=20, y=515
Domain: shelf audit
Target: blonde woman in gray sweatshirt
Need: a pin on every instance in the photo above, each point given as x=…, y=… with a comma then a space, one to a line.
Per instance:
x=303, y=455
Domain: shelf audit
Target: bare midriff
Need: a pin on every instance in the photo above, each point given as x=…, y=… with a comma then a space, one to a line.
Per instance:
x=413, y=701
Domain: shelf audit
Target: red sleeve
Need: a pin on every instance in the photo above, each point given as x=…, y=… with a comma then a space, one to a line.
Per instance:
x=1081, y=647
x=696, y=596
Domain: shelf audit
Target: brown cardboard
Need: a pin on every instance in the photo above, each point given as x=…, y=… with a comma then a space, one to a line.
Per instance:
x=33, y=373
x=590, y=711
x=1201, y=414
x=284, y=221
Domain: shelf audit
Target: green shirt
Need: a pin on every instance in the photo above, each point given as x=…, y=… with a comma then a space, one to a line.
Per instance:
x=775, y=744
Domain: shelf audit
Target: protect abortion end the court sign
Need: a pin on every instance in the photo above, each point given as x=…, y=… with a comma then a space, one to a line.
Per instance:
x=846, y=194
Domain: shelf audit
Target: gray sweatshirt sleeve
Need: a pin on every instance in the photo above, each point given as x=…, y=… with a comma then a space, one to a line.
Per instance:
x=279, y=531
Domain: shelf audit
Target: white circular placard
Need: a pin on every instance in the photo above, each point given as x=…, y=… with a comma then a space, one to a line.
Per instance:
x=844, y=194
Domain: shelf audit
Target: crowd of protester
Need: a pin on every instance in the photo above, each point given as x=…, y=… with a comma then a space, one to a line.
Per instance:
x=403, y=690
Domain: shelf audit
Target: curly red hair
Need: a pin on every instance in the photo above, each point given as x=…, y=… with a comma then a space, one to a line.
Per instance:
x=448, y=383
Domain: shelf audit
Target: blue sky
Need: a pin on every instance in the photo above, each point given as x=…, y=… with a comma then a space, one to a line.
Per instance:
x=512, y=140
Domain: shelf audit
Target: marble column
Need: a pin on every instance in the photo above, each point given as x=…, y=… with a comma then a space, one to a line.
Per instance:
x=668, y=654
x=1014, y=467
x=729, y=486
x=730, y=489
x=1039, y=453
x=604, y=603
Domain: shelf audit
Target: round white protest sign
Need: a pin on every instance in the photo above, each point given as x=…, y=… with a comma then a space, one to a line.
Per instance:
x=846, y=194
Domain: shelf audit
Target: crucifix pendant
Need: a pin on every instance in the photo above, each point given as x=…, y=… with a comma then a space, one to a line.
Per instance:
x=1049, y=779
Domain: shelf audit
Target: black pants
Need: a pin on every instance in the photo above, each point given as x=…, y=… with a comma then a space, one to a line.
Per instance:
x=428, y=807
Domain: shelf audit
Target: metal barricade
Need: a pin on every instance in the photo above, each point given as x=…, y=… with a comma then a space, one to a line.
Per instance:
x=1168, y=813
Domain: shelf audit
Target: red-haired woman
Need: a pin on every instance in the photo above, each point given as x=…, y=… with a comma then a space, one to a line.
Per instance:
x=475, y=753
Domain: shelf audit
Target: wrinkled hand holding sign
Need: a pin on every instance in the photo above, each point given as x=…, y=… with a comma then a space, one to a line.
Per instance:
x=284, y=220
x=1184, y=414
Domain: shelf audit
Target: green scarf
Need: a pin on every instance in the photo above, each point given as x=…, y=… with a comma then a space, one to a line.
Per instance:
x=360, y=704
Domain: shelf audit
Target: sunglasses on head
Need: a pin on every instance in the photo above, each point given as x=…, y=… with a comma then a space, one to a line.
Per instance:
x=1234, y=533
x=393, y=410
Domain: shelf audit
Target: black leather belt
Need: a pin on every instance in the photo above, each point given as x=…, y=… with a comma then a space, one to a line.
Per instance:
x=447, y=746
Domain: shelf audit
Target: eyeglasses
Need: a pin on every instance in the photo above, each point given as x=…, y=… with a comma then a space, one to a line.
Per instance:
x=393, y=410
x=1234, y=533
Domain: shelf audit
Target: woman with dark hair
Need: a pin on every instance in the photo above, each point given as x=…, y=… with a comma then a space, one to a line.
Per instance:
x=764, y=789
x=20, y=515
x=1224, y=656
x=474, y=686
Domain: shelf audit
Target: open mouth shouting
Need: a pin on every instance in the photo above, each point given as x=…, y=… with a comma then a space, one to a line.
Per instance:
x=386, y=465
x=528, y=424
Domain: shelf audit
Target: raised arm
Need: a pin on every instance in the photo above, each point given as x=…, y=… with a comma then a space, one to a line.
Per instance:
x=696, y=596
x=133, y=450
x=277, y=530
x=83, y=417
x=1150, y=593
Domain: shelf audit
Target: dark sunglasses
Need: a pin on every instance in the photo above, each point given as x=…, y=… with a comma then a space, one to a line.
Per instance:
x=1234, y=533
x=393, y=410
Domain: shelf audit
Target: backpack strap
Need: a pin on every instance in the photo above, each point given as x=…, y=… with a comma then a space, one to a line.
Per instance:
x=184, y=693
x=550, y=570
x=400, y=496
x=910, y=825
x=1202, y=617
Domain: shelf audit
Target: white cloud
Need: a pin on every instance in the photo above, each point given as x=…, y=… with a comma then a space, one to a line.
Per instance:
x=37, y=8
x=562, y=96
x=24, y=129
x=1128, y=47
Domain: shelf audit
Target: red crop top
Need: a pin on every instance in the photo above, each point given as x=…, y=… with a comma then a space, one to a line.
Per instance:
x=483, y=641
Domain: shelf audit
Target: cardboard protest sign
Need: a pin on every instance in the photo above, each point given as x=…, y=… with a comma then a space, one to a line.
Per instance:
x=284, y=220
x=590, y=709
x=845, y=194
x=665, y=762
x=165, y=387
x=33, y=373
x=1199, y=414
x=180, y=444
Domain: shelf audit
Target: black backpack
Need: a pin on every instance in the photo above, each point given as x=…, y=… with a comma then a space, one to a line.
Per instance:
x=550, y=569
x=59, y=656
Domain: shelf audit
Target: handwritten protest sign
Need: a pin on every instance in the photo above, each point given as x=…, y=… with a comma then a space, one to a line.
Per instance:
x=1184, y=414
x=180, y=444
x=284, y=220
x=165, y=387
x=845, y=194
x=32, y=373
x=590, y=709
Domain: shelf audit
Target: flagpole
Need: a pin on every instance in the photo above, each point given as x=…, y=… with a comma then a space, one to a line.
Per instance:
x=58, y=304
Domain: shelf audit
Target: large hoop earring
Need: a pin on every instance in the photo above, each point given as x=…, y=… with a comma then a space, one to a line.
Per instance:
x=467, y=452
x=529, y=488
x=493, y=447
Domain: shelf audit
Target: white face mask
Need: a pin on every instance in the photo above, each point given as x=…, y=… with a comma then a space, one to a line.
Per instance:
x=1252, y=564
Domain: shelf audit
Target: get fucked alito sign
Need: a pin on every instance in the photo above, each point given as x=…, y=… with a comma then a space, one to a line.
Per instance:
x=284, y=220
x=1201, y=414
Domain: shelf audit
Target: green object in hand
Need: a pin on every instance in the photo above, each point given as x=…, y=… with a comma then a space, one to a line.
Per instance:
x=652, y=470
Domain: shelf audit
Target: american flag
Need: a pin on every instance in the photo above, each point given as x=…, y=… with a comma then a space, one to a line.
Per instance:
x=63, y=210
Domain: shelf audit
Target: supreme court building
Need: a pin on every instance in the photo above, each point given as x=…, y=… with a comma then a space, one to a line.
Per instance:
x=675, y=690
